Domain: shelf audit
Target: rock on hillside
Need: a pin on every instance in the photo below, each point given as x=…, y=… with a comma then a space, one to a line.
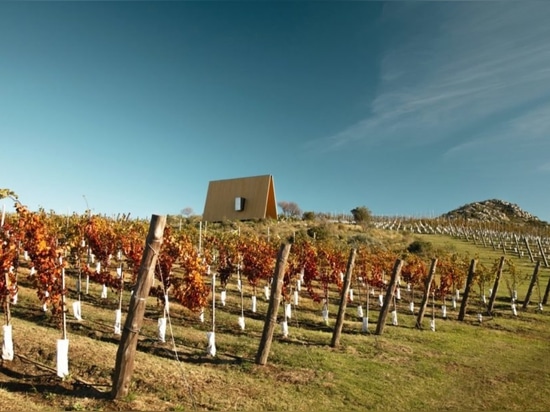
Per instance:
x=493, y=210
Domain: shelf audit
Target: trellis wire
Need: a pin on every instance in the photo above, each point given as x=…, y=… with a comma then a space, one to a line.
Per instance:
x=172, y=339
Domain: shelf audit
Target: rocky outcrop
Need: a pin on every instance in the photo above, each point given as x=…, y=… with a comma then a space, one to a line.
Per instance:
x=493, y=210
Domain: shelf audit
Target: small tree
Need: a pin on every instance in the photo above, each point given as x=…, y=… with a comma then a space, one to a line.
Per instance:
x=290, y=209
x=187, y=211
x=361, y=215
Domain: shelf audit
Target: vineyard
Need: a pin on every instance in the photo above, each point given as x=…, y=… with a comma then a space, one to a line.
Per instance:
x=466, y=324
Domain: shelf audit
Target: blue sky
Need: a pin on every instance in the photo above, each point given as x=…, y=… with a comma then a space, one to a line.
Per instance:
x=408, y=108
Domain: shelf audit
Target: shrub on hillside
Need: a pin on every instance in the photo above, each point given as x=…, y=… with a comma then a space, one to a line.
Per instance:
x=420, y=248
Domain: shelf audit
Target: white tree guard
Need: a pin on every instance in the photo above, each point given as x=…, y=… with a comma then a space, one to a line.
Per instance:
x=253, y=304
x=77, y=310
x=394, y=318
x=223, y=297
x=211, y=348
x=104, y=291
x=324, y=313
x=359, y=311
x=118, y=322
x=161, y=328
x=365, y=325
x=284, y=328
x=62, y=357
x=166, y=305
x=241, y=322
x=7, y=345
x=288, y=310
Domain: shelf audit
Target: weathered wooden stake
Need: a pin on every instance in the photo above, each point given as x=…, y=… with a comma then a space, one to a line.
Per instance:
x=493, y=296
x=389, y=294
x=128, y=342
x=426, y=296
x=483, y=238
x=343, y=301
x=529, y=249
x=466, y=294
x=534, y=280
x=546, y=293
x=517, y=246
x=274, y=301
x=542, y=253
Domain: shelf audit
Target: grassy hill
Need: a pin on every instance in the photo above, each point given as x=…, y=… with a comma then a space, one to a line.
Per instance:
x=498, y=364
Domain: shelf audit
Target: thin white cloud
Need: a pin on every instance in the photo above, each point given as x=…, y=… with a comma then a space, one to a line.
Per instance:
x=523, y=140
x=467, y=66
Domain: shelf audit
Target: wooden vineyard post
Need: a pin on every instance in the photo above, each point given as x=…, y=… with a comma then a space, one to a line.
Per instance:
x=546, y=293
x=124, y=366
x=534, y=280
x=466, y=294
x=389, y=294
x=344, y=301
x=482, y=234
x=493, y=296
x=529, y=249
x=274, y=302
x=426, y=296
x=542, y=253
x=517, y=246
